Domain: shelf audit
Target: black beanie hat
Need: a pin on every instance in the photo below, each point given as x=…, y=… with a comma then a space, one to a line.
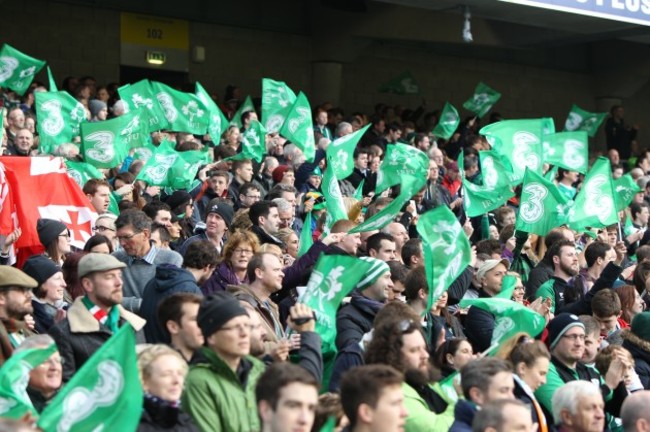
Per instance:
x=40, y=268
x=224, y=210
x=216, y=310
x=559, y=325
x=48, y=230
x=178, y=199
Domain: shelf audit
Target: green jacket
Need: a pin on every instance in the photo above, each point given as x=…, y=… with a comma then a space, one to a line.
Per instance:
x=216, y=398
x=420, y=417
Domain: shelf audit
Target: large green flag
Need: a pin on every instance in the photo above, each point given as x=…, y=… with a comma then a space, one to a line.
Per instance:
x=253, y=143
x=340, y=153
x=335, y=210
x=245, y=107
x=17, y=69
x=581, y=120
x=402, y=84
x=446, y=248
x=569, y=150
x=448, y=123
x=483, y=99
x=218, y=123
x=14, y=377
x=277, y=101
x=59, y=118
x=81, y=172
x=173, y=169
x=400, y=161
x=496, y=170
x=511, y=318
x=542, y=206
x=185, y=112
x=594, y=205
x=624, y=190
x=299, y=127
x=104, y=394
x=479, y=200
x=141, y=95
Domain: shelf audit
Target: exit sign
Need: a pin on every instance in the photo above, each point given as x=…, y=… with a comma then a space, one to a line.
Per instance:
x=156, y=57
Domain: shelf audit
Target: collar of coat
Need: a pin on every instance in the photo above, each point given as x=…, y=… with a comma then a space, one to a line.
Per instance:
x=82, y=321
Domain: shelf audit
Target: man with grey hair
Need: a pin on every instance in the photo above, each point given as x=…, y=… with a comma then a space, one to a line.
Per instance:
x=578, y=407
x=285, y=211
x=119, y=108
x=634, y=413
x=343, y=129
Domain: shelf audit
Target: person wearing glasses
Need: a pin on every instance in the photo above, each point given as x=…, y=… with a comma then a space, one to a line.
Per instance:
x=55, y=238
x=233, y=263
x=105, y=225
x=46, y=379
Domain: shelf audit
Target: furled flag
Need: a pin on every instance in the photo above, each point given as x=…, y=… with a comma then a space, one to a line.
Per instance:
x=170, y=168
x=581, y=120
x=141, y=95
x=277, y=100
x=245, y=107
x=594, y=206
x=335, y=209
x=624, y=190
x=482, y=101
x=299, y=127
x=185, y=112
x=402, y=84
x=253, y=143
x=496, y=170
x=40, y=187
x=14, y=377
x=218, y=123
x=306, y=239
x=448, y=123
x=542, y=206
x=479, y=200
x=104, y=394
x=446, y=248
x=50, y=78
x=59, y=118
x=17, y=69
x=401, y=161
x=569, y=150
x=340, y=153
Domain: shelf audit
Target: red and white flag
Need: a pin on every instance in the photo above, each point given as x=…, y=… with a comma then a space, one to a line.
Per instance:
x=39, y=187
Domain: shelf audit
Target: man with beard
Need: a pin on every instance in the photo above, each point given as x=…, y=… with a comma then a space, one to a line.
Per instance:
x=177, y=314
x=15, y=302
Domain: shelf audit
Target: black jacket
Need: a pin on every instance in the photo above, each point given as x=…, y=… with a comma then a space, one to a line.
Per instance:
x=264, y=237
x=479, y=325
x=355, y=319
x=158, y=416
x=640, y=350
x=537, y=276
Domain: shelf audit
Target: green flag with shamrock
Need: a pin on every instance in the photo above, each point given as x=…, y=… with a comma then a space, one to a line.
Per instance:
x=479, y=200
x=400, y=161
x=253, y=143
x=14, y=377
x=104, y=394
x=446, y=248
x=245, y=107
x=448, y=123
x=170, y=168
x=594, y=206
x=569, y=150
x=402, y=84
x=306, y=240
x=217, y=122
x=496, y=170
x=581, y=120
x=483, y=99
x=299, y=127
x=624, y=190
x=17, y=69
x=185, y=112
x=277, y=102
x=340, y=153
x=59, y=118
x=141, y=95
x=335, y=210
x=542, y=206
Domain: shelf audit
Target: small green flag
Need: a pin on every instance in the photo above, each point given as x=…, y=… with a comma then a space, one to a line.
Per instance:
x=594, y=205
x=145, y=152
x=358, y=193
x=624, y=190
x=542, y=205
x=104, y=394
x=569, y=150
x=51, y=80
x=141, y=95
x=17, y=69
x=335, y=210
x=448, y=123
x=218, y=123
x=59, y=118
x=507, y=287
x=14, y=377
x=299, y=127
x=447, y=387
x=173, y=169
x=340, y=153
x=401, y=161
x=81, y=172
x=277, y=101
x=496, y=170
x=446, y=248
x=581, y=120
x=245, y=107
x=306, y=240
x=253, y=143
x=185, y=112
x=402, y=84
x=479, y=200
x=482, y=101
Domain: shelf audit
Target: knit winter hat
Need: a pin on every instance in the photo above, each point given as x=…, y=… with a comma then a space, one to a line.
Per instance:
x=177, y=200
x=278, y=173
x=222, y=209
x=216, y=310
x=559, y=325
x=48, y=230
x=40, y=268
x=95, y=106
x=641, y=325
x=378, y=268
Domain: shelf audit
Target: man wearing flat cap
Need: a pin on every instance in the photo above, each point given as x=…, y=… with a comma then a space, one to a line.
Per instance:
x=15, y=303
x=220, y=388
x=96, y=316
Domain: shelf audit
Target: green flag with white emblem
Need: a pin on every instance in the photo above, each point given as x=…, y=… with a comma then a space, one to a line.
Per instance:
x=479, y=200
x=141, y=95
x=400, y=161
x=277, y=101
x=448, y=123
x=496, y=170
x=340, y=153
x=299, y=127
x=581, y=120
x=253, y=143
x=104, y=394
x=624, y=190
x=446, y=248
x=144, y=152
x=335, y=210
x=170, y=168
x=17, y=69
x=542, y=206
x=483, y=99
x=59, y=118
x=569, y=150
x=594, y=205
x=217, y=122
x=245, y=107
x=402, y=84
x=81, y=172
x=185, y=112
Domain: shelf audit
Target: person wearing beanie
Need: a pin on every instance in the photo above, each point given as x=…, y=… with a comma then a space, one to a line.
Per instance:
x=217, y=223
x=55, y=238
x=220, y=388
x=636, y=340
x=98, y=110
x=566, y=341
x=284, y=174
x=47, y=300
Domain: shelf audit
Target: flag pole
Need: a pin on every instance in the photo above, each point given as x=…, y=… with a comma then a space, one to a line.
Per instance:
x=620, y=234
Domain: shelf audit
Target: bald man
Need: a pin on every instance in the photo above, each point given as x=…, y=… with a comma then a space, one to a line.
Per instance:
x=634, y=412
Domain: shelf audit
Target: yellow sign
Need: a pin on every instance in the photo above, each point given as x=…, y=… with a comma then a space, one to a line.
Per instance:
x=154, y=31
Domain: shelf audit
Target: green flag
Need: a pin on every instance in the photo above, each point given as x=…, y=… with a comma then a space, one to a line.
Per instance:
x=59, y=118
x=624, y=190
x=542, y=206
x=335, y=210
x=245, y=107
x=253, y=143
x=340, y=153
x=141, y=95
x=104, y=394
x=299, y=127
x=277, y=101
x=218, y=123
x=358, y=193
x=173, y=169
x=185, y=112
x=446, y=248
x=14, y=377
x=479, y=200
x=105, y=144
x=569, y=150
x=507, y=287
x=306, y=240
x=330, y=425
x=594, y=205
x=482, y=100
x=145, y=152
x=447, y=388
x=17, y=69
x=81, y=172
x=496, y=170
x=448, y=123
x=400, y=161
x=581, y=120
x=402, y=84
x=51, y=80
